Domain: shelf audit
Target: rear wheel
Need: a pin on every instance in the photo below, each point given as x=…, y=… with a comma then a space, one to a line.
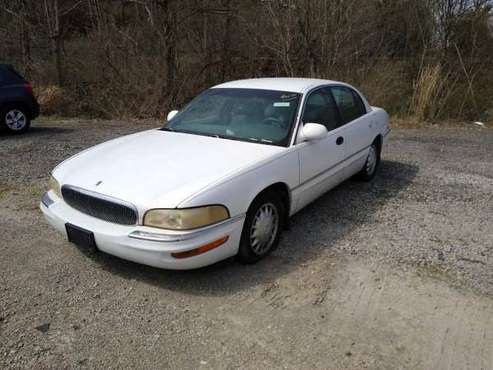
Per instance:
x=262, y=229
x=371, y=165
x=15, y=119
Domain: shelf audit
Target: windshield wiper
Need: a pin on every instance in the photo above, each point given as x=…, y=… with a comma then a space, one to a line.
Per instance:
x=192, y=132
x=260, y=140
x=218, y=136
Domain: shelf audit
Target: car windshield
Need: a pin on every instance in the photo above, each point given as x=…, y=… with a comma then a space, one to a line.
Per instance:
x=263, y=116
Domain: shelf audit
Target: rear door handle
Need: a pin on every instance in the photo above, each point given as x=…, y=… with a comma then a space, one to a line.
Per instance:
x=339, y=140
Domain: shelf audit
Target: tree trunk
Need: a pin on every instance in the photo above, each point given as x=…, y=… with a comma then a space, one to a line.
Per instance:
x=226, y=55
x=52, y=11
x=57, y=45
x=168, y=37
x=26, y=42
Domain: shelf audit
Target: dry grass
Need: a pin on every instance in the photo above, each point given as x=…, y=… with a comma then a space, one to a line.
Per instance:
x=4, y=189
x=52, y=99
x=406, y=122
x=412, y=122
x=385, y=84
x=425, y=101
x=436, y=271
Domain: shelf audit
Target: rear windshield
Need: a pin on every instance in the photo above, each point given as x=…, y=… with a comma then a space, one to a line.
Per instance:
x=8, y=75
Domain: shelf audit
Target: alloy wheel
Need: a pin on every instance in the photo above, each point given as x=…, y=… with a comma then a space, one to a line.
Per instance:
x=15, y=120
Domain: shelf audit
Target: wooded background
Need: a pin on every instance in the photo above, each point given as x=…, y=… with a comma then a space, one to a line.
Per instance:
x=426, y=59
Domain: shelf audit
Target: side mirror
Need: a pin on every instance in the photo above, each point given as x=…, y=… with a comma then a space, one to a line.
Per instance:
x=313, y=131
x=171, y=115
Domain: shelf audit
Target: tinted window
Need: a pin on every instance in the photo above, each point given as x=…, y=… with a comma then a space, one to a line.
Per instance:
x=349, y=103
x=8, y=75
x=264, y=116
x=320, y=108
x=209, y=110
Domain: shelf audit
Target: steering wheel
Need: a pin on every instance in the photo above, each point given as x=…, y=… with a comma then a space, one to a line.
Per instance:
x=273, y=121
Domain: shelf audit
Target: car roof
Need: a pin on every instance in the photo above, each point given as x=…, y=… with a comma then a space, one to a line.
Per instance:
x=292, y=84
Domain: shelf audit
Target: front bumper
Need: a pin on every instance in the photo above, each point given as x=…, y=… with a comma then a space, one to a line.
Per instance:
x=147, y=245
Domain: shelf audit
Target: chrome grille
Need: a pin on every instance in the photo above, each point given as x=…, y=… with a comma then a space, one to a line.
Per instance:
x=102, y=207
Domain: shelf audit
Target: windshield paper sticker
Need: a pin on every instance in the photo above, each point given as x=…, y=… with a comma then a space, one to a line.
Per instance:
x=288, y=96
x=281, y=104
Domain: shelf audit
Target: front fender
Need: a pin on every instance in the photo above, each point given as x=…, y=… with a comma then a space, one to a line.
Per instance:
x=238, y=191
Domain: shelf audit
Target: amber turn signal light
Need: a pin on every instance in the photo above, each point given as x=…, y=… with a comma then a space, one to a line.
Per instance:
x=202, y=249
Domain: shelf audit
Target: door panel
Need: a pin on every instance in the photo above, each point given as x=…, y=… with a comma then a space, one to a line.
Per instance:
x=358, y=135
x=321, y=167
x=320, y=161
x=356, y=127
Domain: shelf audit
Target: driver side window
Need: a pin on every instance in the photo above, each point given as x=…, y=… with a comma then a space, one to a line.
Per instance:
x=320, y=108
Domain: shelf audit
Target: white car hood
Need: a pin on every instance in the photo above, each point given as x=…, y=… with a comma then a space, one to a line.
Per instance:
x=159, y=169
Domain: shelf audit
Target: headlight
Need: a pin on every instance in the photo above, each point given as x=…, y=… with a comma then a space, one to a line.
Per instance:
x=55, y=186
x=185, y=219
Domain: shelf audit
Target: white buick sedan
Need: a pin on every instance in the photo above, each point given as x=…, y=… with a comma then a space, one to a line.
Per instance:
x=222, y=177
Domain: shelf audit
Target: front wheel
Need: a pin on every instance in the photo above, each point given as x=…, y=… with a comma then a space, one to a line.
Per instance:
x=371, y=165
x=15, y=119
x=262, y=228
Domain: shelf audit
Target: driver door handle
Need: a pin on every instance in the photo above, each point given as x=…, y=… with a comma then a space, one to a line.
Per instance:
x=339, y=140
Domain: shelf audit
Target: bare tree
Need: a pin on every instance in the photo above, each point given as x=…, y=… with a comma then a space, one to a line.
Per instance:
x=141, y=57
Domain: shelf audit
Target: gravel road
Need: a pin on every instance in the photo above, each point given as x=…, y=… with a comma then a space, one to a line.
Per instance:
x=396, y=273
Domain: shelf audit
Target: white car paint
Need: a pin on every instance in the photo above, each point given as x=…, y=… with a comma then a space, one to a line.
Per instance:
x=159, y=169
x=160, y=158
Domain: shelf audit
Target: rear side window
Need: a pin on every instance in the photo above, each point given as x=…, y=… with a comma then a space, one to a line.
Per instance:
x=320, y=108
x=349, y=103
x=8, y=75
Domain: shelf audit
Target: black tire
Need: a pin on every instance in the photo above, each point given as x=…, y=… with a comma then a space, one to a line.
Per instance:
x=18, y=127
x=249, y=253
x=368, y=171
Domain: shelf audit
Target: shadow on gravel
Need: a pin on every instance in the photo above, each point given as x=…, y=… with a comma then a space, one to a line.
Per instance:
x=317, y=227
x=35, y=131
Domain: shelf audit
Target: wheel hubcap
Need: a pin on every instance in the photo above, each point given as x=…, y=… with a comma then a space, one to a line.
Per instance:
x=371, y=161
x=15, y=120
x=264, y=228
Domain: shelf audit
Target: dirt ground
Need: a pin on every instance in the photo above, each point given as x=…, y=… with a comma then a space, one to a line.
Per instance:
x=396, y=273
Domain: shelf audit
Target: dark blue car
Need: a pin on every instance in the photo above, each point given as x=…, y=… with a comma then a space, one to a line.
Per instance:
x=18, y=106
